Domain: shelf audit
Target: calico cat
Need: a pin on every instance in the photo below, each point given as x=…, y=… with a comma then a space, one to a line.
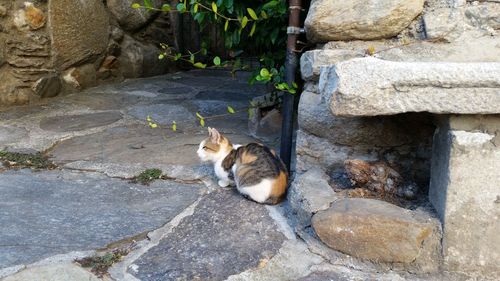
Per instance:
x=257, y=171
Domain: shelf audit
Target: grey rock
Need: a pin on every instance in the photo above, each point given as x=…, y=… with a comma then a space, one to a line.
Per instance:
x=226, y=234
x=329, y=20
x=138, y=59
x=464, y=191
x=313, y=151
x=55, y=212
x=378, y=231
x=370, y=87
x=75, y=38
x=56, y=272
x=68, y=123
x=132, y=19
x=11, y=134
x=445, y=24
x=308, y=194
x=293, y=260
x=162, y=113
x=312, y=61
x=381, y=131
x=484, y=15
x=48, y=86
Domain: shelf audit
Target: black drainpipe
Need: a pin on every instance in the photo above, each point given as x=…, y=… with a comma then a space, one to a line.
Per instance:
x=293, y=30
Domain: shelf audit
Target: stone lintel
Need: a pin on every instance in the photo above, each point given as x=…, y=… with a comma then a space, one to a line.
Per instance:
x=370, y=87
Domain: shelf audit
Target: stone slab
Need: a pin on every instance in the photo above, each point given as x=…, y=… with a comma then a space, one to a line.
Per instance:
x=226, y=235
x=370, y=87
x=56, y=272
x=11, y=134
x=48, y=213
x=137, y=144
x=464, y=190
x=69, y=123
x=162, y=113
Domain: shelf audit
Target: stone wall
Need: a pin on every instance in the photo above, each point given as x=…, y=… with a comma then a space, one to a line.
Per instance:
x=59, y=46
x=420, y=32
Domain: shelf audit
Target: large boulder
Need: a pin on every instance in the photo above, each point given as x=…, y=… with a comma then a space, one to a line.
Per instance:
x=377, y=231
x=129, y=18
x=80, y=30
x=331, y=20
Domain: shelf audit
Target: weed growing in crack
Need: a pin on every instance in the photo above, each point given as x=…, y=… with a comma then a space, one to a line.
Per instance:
x=100, y=264
x=24, y=160
x=148, y=176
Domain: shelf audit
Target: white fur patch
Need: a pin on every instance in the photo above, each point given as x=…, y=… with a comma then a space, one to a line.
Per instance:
x=259, y=192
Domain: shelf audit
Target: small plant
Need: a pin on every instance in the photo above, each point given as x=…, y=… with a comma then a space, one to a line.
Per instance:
x=148, y=176
x=100, y=264
x=26, y=160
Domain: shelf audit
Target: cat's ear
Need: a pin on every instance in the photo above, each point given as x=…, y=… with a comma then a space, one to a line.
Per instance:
x=215, y=137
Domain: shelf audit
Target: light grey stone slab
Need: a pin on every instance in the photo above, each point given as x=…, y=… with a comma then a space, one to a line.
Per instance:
x=53, y=212
x=10, y=134
x=226, y=234
x=68, y=123
x=370, y=87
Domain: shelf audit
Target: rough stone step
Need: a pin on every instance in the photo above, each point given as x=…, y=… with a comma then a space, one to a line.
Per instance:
x=226, y=234
x=370, y=87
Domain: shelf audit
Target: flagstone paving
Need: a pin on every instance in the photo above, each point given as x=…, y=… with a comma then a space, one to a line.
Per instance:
x=180, y=227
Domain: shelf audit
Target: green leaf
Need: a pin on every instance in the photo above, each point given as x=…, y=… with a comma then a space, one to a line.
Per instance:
x=295, y=85
x=136, y=6
x=252, y=14
x=263, y=14
x=195, y=8
x=166, y=8
x=161, y=56
x=147, y=4
x=177, y=56
x=214, y=7
x=264, y=72
x=202, y=122
x=253, y=29
x=244, y=22
x=274, y=35
x=217, y=61
x=230, y=110
x=199, y=115
x=191, y=58
x=199, y=65
x=174, y=126
x=226, y=25
x=181, y=7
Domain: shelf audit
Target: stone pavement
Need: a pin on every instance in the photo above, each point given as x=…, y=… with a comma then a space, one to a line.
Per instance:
x=182, y=227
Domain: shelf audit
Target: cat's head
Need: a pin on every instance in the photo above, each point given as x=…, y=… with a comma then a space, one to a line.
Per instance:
x=215, y=147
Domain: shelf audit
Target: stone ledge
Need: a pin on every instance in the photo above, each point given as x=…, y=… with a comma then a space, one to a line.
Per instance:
x=371, y=87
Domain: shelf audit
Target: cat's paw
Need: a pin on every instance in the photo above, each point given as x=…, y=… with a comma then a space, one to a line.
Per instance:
x=223, y=183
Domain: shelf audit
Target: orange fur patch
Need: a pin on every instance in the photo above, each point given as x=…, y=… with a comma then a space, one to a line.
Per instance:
x=279, y=185
x=247, y=158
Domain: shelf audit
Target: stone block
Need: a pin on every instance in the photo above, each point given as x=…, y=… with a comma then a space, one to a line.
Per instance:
x=312, y=61
x=484, y=15
x=308, y=194
x=381, y=131
x=75, y=38
x=331, y=20
x=378, y=231
x=370, y=87
x=444, y=24
x=132, y=19
x=465, y=190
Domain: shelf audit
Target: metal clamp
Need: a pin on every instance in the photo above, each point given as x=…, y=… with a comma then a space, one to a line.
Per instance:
x=294, y=30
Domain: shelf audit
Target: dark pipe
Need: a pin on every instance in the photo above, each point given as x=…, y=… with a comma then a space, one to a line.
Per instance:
x=293, y=31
